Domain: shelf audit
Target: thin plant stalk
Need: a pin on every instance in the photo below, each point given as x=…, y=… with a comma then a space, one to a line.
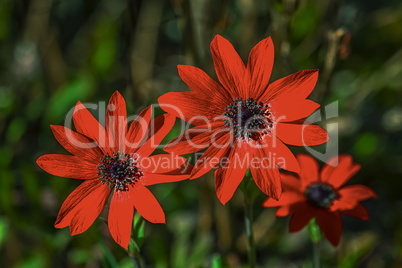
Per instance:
x=316, y=254
x=248, y=220
x=136, y=242
x=136, y=260
x=315, y=236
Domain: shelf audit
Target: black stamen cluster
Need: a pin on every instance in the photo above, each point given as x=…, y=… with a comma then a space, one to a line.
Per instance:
x=249, y=119
x=320, y=194
x=119, y=171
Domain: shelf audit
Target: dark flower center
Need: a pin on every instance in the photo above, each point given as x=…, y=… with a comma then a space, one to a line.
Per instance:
x=119, y=171
x=248, y=119
x=320, y=194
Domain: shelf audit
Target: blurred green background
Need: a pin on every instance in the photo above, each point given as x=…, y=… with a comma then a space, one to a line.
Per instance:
x=54, y=53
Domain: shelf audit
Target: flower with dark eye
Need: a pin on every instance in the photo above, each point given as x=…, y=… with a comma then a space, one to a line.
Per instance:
x=244, y=121
x=320, y=194
x=113, y=160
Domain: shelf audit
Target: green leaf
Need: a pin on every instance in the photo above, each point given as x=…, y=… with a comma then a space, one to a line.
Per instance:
x=306, y=20
x=367, y=144
x=15, y=130
x=3, y=229
x=34, y=261
x=7, y=101
x=249, y=188
x=5, y=13
x=137, y=236
x=65, y=98
x=30, y=184
x=200, y=250
x=6, y=190
x=104, y=53
x=6, y=153
x=109, y=257
x=217, y=261
x=133, y=248
x=357, y=249
x=139, y=229
x=79, y=256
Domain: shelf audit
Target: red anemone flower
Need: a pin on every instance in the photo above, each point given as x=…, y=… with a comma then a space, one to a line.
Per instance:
x=244, y=122
x=320, y=194
x=113, y=160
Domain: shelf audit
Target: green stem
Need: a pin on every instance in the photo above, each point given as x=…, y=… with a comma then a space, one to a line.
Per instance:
x=136, y=242
x=315, y=236
x=316, y=254
x=248, y=220
x=136, y=260
x=134, y=253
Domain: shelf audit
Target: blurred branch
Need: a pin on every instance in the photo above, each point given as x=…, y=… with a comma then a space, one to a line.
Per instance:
x=195, y=35
x=37, y=20
x=191, y=51
x=222, y=19
x=334, y=38
x=280, y=32
x=390, y=71
x=249, y=20
x=53, y=59
x=38, y=32
x=223, y=226
x=205, y=211
x=144, y=47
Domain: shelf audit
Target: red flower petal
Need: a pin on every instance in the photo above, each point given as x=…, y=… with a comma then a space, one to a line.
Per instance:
x=76, y=143
x=357, y=192
x=165, y=168
x=190, y=106
x=289, y=109
x=157, y=178
x=228, y=178
x=283, y=211
x=116, y=122
x=86, y=124
x=210, y=158
x=341, y=173
x=158, y=129
x=279, y=153
x=147, y=205
x=265, y=174
x=229, y=67
x=351, y=195
x=268, y=181
x=359, y=212
x=161, y=163
x=298, y=85
x=308, y=170
x=68, y=166
x=301, y=135
x=138, y=129
x=259, y=65
x=287, y=198
x=331, y=225
x=82, y=206
x=291, y=183
x=203, y=84
x=303, y=213
x=120, y=217
x=193, y=140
